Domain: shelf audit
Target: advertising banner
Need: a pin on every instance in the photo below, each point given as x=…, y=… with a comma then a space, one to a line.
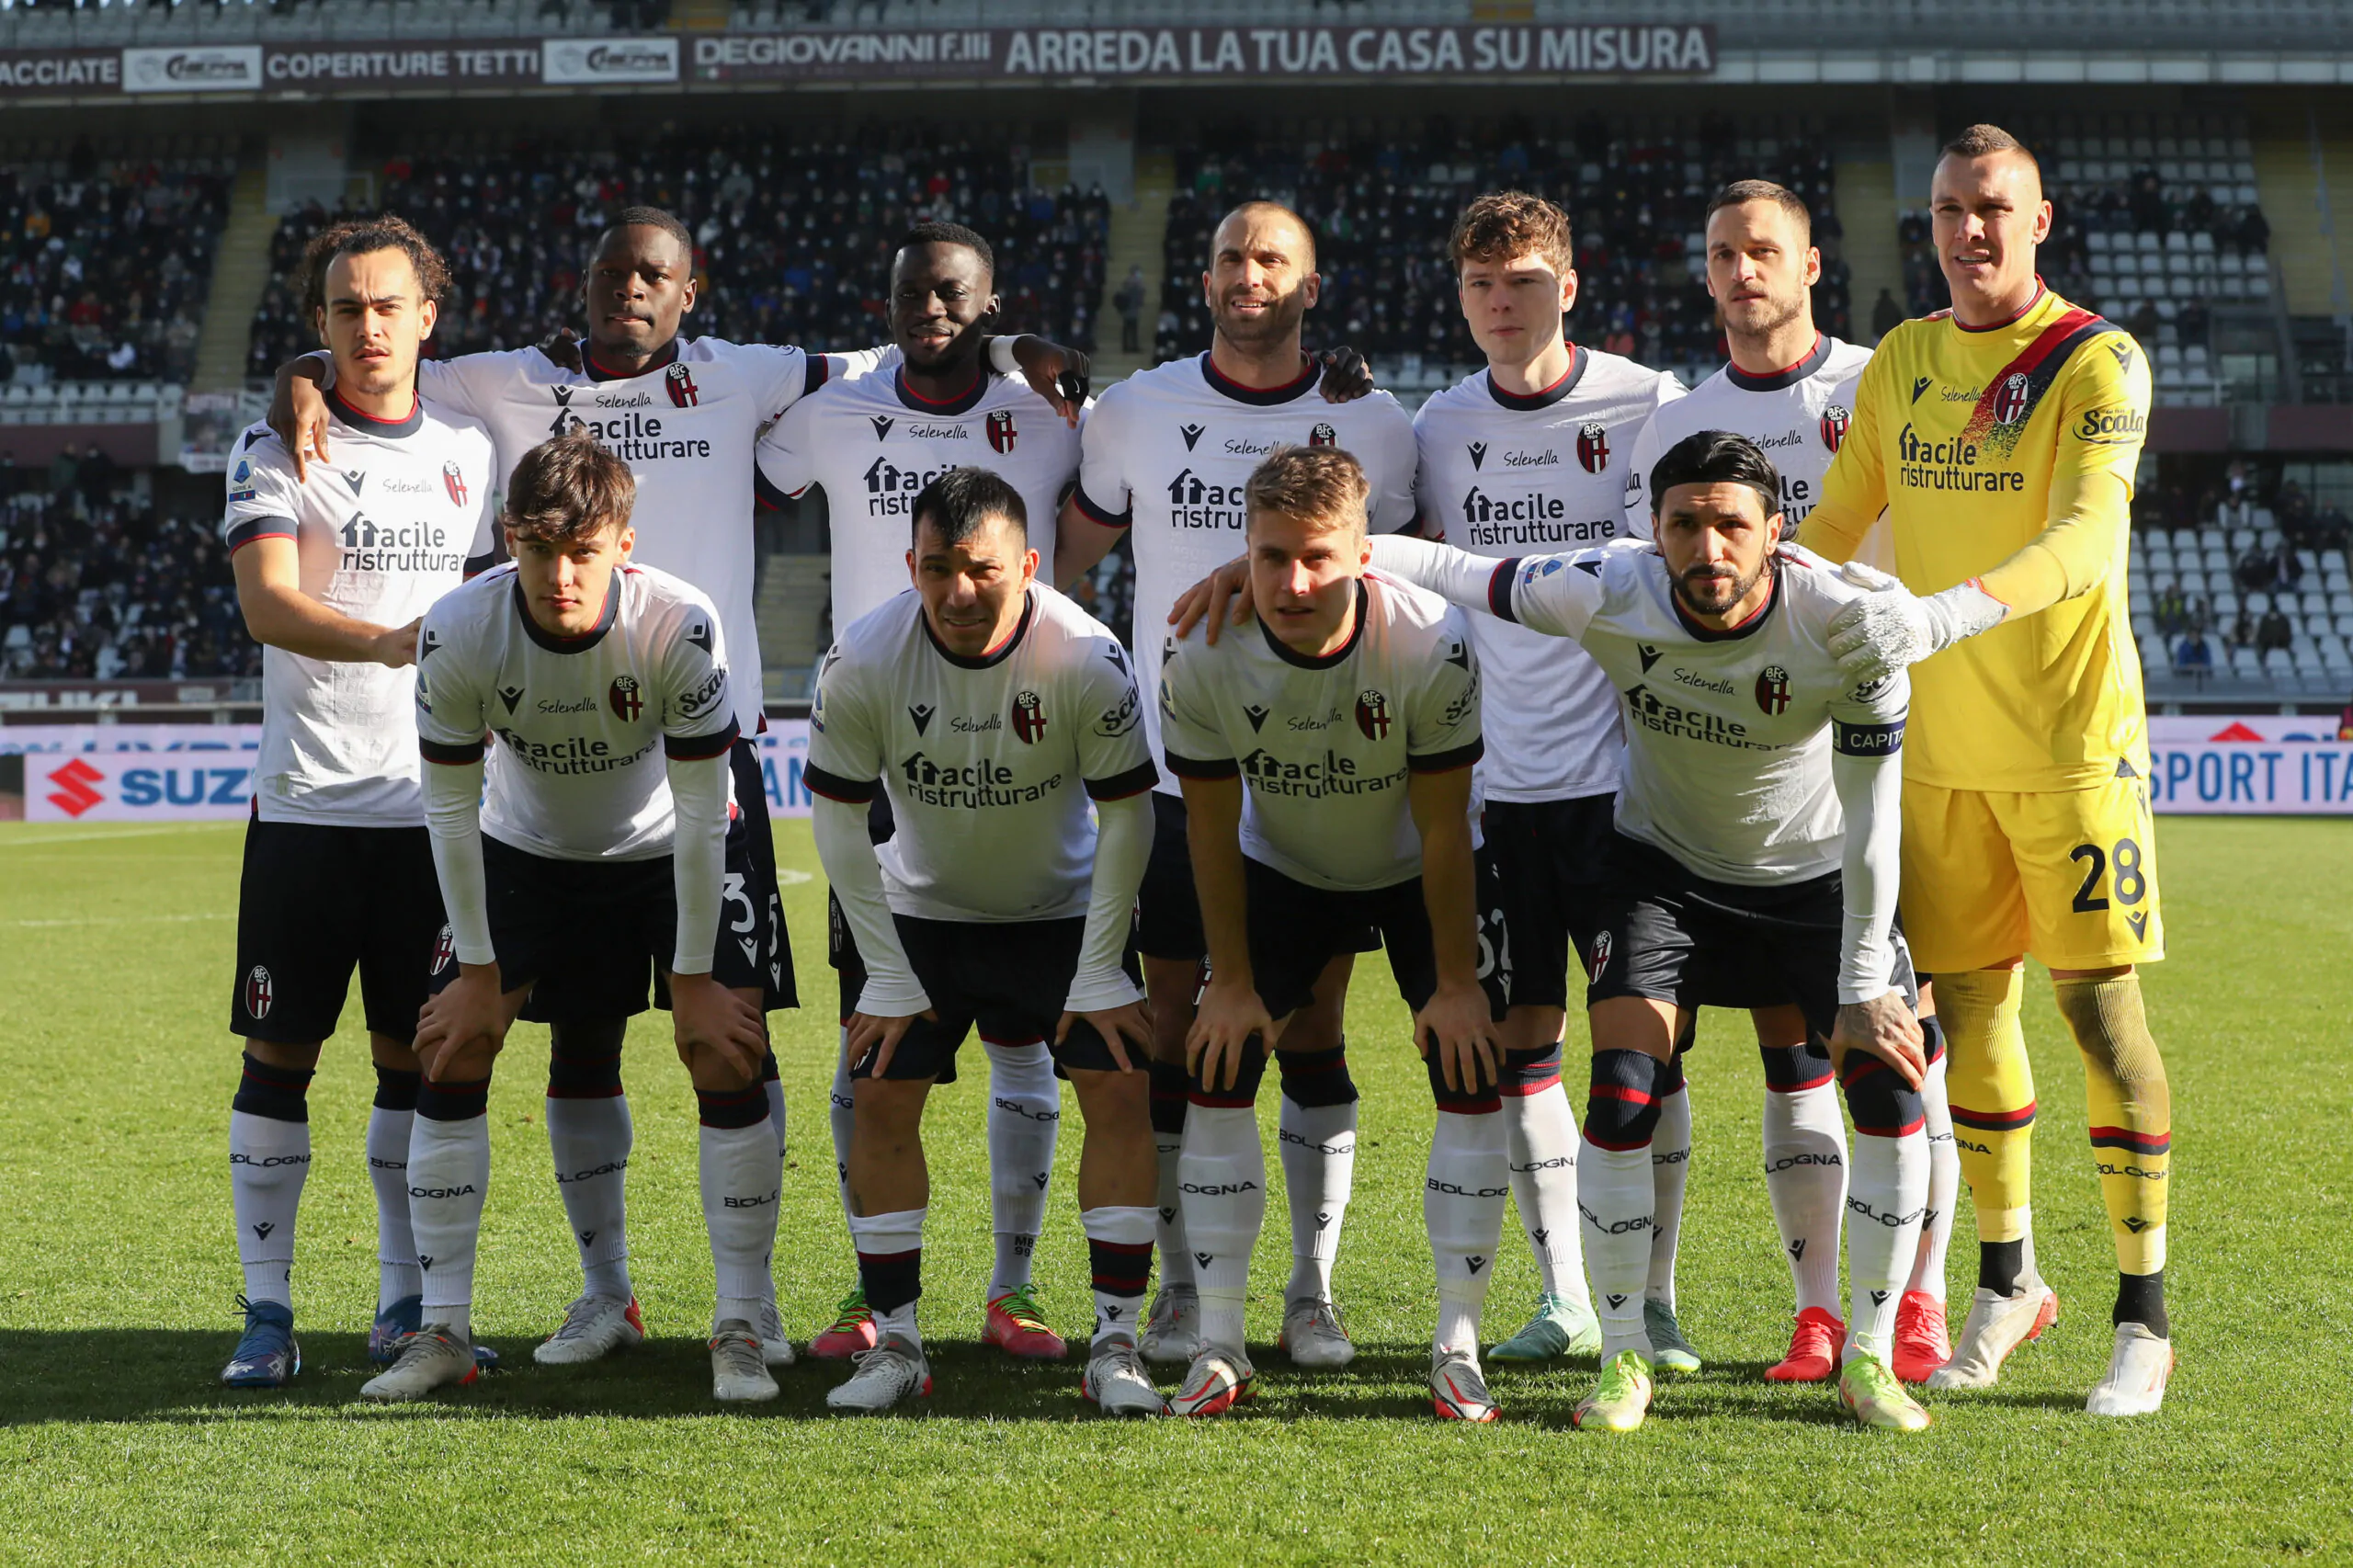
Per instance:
x=204, y=772
x=213, y=68
x=374, y=67
x=2236, y=777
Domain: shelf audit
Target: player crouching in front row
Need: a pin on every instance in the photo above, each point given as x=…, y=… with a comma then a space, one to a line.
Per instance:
x=1326, y=763
x=988, y=709
x=589, y=856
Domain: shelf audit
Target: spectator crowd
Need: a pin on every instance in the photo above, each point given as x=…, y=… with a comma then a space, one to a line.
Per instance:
x=107, y=266
x=793, y=233
x=97, y=581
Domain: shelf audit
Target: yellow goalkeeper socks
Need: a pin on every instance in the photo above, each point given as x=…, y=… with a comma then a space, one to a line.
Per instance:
x=1992, y=1089
x=2131, y=1113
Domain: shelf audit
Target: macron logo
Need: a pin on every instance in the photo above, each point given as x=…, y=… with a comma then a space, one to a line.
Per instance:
x=1192, y=434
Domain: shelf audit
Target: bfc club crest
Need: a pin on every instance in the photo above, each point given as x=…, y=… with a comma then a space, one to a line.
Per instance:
x=445, y=950
x=626, y=703
x=1029, y=718
x=1322, y=436
x=259, y=993
x=679, y=382
x=1592, y=448
x=1833, y=426
x=1601, y=956
x=1773, y=689
x=2010, y=402
x=454, y=483
x=1002, y=435
x=1372, y=715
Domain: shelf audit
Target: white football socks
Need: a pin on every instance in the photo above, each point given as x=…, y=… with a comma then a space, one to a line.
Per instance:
x=449, y=1172
x=1025, y=1114
x=1670, y=1172
x=1463, y=1208
x=269, y=1162
x=1615, y=1191
x=1168, y=1233
x=1224, y=1195
x=740, y=1189
x=1805, y=1176
x=1542, y=1134
x=1319, y=1154
x=591, y=1139
x=1883, y=1207
x=1944, y=1185
x=397, y=1274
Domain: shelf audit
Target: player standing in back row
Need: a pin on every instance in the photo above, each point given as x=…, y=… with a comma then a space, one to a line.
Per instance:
x=1166, y=458
x=873, y=444
x=1531, y=454
x=589, y=861
x=2002, y=439
x=1790, y=390
x=332, y=578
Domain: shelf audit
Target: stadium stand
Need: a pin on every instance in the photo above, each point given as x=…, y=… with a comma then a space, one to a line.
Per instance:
x=794, y=234
x=1382, y=205
x=2243, y=581
x=100, y=579
x=107, y=263
x=2157, y=223
x=60, y=23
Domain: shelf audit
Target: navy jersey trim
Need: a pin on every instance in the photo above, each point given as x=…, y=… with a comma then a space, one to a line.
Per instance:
x=246, y=530
x=1448, y=761
x=407, y=424
x=1136, y=780
x=1098, y=513
x=1202, y=767
x=587, y=640
x=700, y=748
x=1262, y=397
x=1528, y=403
x=445, y=755
x=1789, y=376
x=834, y=787
x=1290, y=655
x=962, y=402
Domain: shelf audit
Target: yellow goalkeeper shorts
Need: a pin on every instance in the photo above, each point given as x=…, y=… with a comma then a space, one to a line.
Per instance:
x=2069, y=876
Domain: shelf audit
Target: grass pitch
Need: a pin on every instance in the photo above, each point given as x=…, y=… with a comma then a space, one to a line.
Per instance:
x=117, y=1272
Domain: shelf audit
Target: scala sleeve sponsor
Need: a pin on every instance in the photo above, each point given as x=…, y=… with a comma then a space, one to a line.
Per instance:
x=2112, y=426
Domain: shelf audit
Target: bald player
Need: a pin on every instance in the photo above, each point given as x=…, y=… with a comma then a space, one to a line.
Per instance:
x=2001, y=437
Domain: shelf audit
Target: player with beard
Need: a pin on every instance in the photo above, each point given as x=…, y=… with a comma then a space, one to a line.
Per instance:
x=1756, y=857
x=1790, y=389
x=685, y=414
x=1531, y=453
x=332, y=579
x=872, y=445
x=1166, y=458
x=2002, y=440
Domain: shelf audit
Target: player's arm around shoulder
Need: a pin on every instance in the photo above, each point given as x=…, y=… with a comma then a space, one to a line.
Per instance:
x=1100, y=506
x=1854, y=489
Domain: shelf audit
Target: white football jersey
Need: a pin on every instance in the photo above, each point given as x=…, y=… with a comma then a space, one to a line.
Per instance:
x=687, y=428
x=1728, y=734
x=988, y=762
x=1796, y=417
x=380, y=533
x=872, y=444
x=576, y=774
x=1166, y=453
x=1504, y=474
x=1323, y=745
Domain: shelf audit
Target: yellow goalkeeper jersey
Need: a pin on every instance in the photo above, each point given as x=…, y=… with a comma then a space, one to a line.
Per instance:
x=1965, y=436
